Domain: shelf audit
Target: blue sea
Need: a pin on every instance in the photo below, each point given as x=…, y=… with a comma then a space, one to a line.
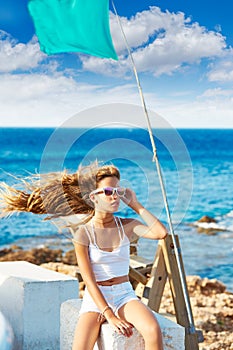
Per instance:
x=197, y=172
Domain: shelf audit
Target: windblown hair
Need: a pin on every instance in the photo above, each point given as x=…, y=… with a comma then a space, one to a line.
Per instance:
x=56, y=194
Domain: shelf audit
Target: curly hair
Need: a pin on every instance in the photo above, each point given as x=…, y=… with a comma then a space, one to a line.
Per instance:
x=56, y=194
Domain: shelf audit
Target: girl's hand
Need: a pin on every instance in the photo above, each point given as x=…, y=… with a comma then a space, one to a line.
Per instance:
x=120, y=326
x=130, y=199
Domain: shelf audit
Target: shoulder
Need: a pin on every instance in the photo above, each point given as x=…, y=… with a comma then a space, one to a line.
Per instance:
x=129, y=224
x=81, y=236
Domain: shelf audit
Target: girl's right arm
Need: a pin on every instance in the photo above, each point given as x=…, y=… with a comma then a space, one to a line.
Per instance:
x=84, y=264
x=88, y=276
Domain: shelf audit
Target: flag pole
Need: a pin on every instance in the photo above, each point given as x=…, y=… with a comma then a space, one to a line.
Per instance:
x=192, y=329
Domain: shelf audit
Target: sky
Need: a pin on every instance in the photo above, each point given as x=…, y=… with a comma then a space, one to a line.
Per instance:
x=182, y=51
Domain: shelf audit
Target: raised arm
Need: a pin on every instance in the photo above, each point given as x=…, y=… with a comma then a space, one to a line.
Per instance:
x=153, y=228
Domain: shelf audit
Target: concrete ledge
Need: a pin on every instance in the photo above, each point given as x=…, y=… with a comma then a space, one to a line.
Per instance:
x=6, y=334
x=30, y=298
x=173, y=334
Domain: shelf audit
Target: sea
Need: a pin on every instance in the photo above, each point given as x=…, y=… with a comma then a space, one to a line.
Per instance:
x=187, y=175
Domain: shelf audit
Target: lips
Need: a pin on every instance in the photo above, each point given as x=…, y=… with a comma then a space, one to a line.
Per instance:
x=115, y=204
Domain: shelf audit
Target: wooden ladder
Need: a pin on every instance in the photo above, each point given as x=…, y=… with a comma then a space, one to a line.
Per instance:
x=151, y=290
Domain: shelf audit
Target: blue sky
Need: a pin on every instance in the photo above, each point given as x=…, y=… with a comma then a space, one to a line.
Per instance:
x=182, y=50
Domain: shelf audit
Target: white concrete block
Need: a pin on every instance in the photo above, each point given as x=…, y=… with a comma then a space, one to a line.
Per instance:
x=173, y=334
x=6, y=334
x=30, y=298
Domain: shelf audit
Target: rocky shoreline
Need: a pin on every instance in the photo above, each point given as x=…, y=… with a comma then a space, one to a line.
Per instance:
x=212, y=304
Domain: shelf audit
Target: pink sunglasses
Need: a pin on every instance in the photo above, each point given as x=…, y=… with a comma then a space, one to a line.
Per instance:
x=109, y=191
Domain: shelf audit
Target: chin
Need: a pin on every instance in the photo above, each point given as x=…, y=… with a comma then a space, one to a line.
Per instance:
x=114, y=209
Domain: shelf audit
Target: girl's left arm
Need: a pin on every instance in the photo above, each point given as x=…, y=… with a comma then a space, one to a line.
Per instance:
x=153, y=229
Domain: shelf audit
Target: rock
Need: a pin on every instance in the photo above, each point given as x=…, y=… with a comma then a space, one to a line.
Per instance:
x=5, y=251
x=35, y=256
x=70, y=258
x=208, y=230
x=207, y=225
x=206, y=218
x=198, y=285
x=63, y=268
x=212, y=308
x=16, y=247
x=210, y=287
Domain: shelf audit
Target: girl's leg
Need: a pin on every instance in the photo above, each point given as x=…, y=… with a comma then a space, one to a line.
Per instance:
x=87, y=331
x=144, y=321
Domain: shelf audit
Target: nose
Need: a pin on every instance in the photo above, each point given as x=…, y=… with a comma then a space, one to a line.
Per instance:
x=114, y=194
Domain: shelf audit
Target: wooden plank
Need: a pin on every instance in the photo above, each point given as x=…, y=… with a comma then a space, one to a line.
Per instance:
x=139, y=289
x=191, y=340
x=137, y=276
x=138, y=262
x=145, y=270
x=157, y=280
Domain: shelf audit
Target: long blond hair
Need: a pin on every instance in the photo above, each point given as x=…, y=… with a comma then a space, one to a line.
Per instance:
x=55, y=194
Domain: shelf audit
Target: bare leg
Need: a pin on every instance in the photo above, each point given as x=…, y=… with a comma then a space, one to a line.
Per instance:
x=144, y=321
x=87, y=331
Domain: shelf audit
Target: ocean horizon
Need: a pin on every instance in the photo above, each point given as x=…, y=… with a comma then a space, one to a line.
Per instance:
x=197, y=168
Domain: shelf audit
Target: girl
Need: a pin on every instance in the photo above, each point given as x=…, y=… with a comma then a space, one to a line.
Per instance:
x=101, y=243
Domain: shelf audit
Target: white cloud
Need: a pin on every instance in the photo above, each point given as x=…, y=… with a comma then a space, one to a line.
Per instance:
x=50, y=100
x=162, y=42
x=189, y=45
x=222, y=70
x=38, y=99
x=213, y=93
x=17, y=56
x=200, y=113
x=106, y=66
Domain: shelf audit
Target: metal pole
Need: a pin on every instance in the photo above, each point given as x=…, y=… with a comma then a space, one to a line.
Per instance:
x=155, y=159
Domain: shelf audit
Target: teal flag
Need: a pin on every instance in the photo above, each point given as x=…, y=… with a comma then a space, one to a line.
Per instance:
x=73, y=26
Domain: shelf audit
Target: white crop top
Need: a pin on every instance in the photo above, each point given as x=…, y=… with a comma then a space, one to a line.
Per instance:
x=107, y=265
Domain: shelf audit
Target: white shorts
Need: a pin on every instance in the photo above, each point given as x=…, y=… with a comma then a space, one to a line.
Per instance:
x=116, y=296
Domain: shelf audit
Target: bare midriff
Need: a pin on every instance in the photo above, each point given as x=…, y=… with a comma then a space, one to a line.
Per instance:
x=114, y=280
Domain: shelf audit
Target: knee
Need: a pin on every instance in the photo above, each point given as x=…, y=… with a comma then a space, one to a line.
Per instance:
x=153, y=333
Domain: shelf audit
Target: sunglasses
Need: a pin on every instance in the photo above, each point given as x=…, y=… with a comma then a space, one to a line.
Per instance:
x=109, y=191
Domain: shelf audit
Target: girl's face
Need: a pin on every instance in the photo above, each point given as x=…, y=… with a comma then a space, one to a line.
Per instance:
x=103, y=202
